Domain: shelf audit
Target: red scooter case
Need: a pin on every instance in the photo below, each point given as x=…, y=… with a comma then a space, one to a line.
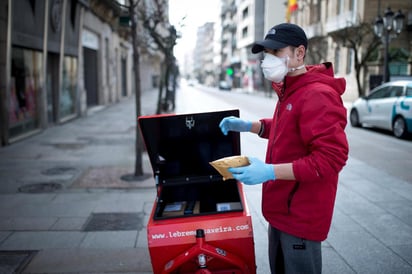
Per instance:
x=199, y=222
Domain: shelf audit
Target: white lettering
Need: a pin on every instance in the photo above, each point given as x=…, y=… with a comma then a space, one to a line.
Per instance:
x=191, y=233
x=158, y=236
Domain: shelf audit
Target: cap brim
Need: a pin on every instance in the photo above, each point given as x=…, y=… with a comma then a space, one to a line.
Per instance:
x=269, y=44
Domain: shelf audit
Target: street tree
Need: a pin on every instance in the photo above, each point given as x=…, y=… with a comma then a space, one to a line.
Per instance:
x=160, y=36
x=362, y=41
x=317, y=50
x=133, y=19
x=150, y=29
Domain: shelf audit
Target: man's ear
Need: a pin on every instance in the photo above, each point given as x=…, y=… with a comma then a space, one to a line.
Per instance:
x=300, y=52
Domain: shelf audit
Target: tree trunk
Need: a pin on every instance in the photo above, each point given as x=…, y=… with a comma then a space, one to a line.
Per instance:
x=138, y=170
x=160, y=95
x=164, y=83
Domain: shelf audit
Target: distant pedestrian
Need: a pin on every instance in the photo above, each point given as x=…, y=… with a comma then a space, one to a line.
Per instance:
x=307, y=148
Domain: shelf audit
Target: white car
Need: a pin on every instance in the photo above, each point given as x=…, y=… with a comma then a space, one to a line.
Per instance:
x=388, y=106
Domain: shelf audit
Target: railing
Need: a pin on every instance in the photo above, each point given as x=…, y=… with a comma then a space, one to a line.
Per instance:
x=314, y=30
x=341, y=21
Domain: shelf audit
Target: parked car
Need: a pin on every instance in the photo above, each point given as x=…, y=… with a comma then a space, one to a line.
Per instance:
x=192, y=82
x=388, y=106
x=223, y=85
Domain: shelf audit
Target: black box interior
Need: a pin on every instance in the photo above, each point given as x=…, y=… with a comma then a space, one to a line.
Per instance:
x=180, y=148
x=211, y=198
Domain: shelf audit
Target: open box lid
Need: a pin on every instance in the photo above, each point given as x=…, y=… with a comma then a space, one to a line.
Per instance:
x=181, y=146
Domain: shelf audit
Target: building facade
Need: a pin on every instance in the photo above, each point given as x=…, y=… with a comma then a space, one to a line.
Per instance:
x=228, y=42
x=326, y=24
x=61, y=59
x=326, y=21
x=243, y=22
x=203, y=55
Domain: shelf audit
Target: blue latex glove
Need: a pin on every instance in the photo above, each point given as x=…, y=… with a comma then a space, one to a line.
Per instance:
x=256, y=173
x=233, y=123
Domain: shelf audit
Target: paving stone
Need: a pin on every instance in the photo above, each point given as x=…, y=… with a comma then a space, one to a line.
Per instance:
x=79, y=209
x=142, y=238
x=14, y=261
x=134, y=260
x=110, y=177
x=333, y=263
x=42, y=240
x=404, y=251
x=114, y=221
x=69, y=223
x=26, y=223
x=110, y=239
x=4, y=235
x=366, y=254
x=343, y=222
x=383, y=226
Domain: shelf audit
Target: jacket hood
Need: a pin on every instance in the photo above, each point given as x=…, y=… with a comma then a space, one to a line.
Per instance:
x=320, y=73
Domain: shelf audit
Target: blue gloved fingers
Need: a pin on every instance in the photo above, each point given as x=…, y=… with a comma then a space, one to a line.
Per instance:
x=240, y=174
x=233, y=123
x=268, y=170
x=255, y=161
x=256, y=173
x=225, y=124
x=237, y=170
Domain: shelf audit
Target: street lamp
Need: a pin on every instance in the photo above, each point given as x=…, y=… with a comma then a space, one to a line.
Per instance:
x=386, y=28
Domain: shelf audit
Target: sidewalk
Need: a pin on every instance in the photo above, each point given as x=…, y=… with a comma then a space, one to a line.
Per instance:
x=62, y=203
x=63, y=208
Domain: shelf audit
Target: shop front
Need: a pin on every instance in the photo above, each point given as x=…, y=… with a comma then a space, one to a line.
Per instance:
x=42, y=79
x=49, y=74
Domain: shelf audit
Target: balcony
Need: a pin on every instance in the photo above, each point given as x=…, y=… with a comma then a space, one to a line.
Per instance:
x=229, y=8
x=314, y=30
x=341, y=21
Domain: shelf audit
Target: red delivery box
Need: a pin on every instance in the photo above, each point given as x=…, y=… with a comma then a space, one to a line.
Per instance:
x=199, y=223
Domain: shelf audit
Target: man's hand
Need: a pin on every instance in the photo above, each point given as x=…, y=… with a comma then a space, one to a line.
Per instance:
x=233, y=123
x=256, y=173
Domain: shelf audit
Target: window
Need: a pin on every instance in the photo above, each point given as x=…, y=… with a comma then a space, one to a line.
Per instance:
x=396, y=91
x=319, y=11
x=398, y=68
x=244, y=32
x=409, y=91
x=315, y=11
x=384, y=92
x=351, y=5
x=245, y=13
x=26, y=80
x=69, y=87
x=339, y=8
x=349, y=61
x=337, y=56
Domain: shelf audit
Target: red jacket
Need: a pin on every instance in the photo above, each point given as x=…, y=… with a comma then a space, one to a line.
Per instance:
x=307, y=129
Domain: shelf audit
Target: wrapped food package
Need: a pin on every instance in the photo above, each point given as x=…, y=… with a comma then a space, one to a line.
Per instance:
x=222, y=165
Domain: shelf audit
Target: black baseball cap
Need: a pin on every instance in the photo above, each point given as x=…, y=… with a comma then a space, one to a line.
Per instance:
x=281, y=36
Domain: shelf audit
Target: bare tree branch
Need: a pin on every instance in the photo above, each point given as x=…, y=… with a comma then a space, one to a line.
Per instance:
x=362, y=40
x=160, y=36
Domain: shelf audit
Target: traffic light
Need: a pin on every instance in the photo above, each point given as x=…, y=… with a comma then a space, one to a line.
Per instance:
x=229, y=71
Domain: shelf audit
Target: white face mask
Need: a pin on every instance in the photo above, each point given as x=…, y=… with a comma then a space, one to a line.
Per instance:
x=274, y=68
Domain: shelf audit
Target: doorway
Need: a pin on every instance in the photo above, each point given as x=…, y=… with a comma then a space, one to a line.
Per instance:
x=52, y=82
x=90, y=76
x=124, y=77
